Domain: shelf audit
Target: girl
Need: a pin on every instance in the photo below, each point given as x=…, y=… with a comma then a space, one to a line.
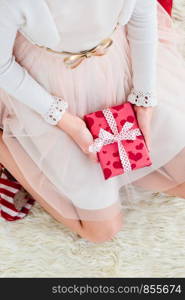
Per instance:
x=47, y=87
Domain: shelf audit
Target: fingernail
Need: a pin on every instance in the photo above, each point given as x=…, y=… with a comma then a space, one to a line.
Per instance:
x=91, y=149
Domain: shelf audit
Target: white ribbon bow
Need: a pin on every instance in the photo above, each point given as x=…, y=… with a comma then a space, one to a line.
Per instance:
x=106, y=138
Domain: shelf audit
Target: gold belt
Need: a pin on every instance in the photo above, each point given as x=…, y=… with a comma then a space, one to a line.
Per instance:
x=74, y=59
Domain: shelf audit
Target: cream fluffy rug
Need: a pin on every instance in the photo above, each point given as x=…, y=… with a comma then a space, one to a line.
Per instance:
x=151, y=244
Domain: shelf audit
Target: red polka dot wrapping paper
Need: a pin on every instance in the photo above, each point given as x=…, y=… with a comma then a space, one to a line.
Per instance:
x=108, y=156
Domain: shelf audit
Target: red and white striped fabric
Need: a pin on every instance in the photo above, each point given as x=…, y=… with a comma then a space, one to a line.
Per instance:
x=167, y=4
x=8, y=190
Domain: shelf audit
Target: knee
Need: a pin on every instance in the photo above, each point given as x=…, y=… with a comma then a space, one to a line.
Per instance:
x=104, y=232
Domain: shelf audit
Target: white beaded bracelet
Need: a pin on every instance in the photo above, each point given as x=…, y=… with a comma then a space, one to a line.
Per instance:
x=141, y=98
x=56, y=110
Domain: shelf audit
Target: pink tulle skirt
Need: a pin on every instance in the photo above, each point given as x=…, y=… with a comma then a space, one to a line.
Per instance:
x=55, y=166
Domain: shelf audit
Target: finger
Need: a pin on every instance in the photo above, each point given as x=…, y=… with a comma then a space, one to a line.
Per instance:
x=92, y=155
x=146, y=133
x=144, y=121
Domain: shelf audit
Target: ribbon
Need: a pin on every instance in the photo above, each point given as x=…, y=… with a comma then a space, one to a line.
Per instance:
x=106, y=138
x=75, y=59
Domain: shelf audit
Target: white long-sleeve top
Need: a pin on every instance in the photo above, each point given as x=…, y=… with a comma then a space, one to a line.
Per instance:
x=83, y=24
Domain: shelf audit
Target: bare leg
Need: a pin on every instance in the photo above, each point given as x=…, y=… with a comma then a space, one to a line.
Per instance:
x=178, y=191
x=161, y=179
x=7, y=160
x=93, y=231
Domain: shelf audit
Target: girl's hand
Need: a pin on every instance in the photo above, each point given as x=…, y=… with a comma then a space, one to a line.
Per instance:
x=144, y=116
x=76, y=128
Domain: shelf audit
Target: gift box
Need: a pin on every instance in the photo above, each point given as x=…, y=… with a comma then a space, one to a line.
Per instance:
x=118, y=141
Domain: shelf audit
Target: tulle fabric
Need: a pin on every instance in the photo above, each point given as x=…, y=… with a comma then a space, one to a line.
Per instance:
x=56, y=168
